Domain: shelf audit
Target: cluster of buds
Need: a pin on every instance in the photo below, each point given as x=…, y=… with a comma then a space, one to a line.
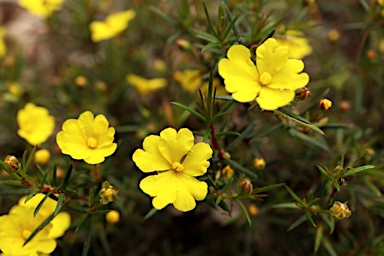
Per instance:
x=107, y=193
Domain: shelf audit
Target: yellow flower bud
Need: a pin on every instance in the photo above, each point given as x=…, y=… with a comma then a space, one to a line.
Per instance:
x=12, y=163
x=333, y=35
x=325, y=104
x=81, y=81
x=245, y=186
x=112, y=217
x=42, y=156
x=227, y=172
x=253, y=210
x=226, y=155
x=107, y=193
x=259, y=163
x=340, y=210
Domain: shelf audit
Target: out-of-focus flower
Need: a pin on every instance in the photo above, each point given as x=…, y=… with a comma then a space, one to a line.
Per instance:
x=112, y=217
x=325, y=104
x=189, y=79
x=298, y=45
x=145, y=86
x=227, y=172
x=253, y=210
x=3, y=47
x=12, y=163
x=259, y=163
x=20, y=222
x=340, y=210
x=42, y=156
x=42, y=8
x=107, y=193
x=178, y=161
x=112, y=25
x=272, y=84
x=35, y=124
x=333, y=35
x=381, y=2
x=88, y=137
x=81, y=81
x=381, y=45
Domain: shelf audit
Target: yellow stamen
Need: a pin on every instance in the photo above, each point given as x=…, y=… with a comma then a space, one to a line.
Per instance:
x=26, y=233
x=265, y=78
x=177, y=166
x=92, y=142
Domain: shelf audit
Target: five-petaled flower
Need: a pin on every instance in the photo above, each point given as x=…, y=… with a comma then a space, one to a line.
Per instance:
x=42, y=8
x=178, y=161
x=89, y=138
x=20, y=222
x=272, y=83
x=35, y=124
x=112, y=25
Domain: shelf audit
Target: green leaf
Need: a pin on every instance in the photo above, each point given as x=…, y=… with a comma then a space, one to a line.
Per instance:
x=243, y=135
x=230, y=27
x=210, y=45
x=330, y=222
x=245, y=212
x=66, y=178
x=298, y=119
x=207, y=37
x=211, y=26
x=40, y=227
x=163, y=15
x=222, y=111
x=328, y=246
x=372, y=187
x=30, y=158
x=83, y=222
x=224, y=97
x=242, y=169
x=11, y=182
x=234, y=28
x=218, y=199
x=40, y=205
x=324, y=172
x=357, y=170
x=225, y=207
x=227, y=133
x=294, y=196
x=308, y=139
x=286, y=205
x=297, y=223
x=59, y=204
x=88, y=236
x=150, y=214
x=309, y=218
x=267, y=188
x=43, y=179
x=193, y=112
x=18, y=191
x=30, y=196
x=54, y=175
x=319, y=236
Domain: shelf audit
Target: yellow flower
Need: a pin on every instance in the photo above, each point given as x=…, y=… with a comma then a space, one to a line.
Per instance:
x=298, y=45
x=35, y=124
x=381, y=2
x=87, y=138
x=272, y=83
x=178, y=161
x=340, y=210
x=189, y=79
x=111, y=26
x=3, y=47
x=145, y=86
x=42, y=8
x=18, y=225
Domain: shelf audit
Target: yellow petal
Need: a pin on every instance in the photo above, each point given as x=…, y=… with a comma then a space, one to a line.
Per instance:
x=60, y=224
x=240, y=74
x=85, y=123
x=196, y=162
x=174, y=145
x=288, y=77
x=272, y=99
x=270, y=57
x=189, y=189
x=100, y=125
x=150, y=159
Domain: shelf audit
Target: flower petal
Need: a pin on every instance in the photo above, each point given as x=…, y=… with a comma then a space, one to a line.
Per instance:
x=85, y=123
x=288, y=77
x=174, y=145
x=150, y=159
x=98, y=155
x=271, y=99
x=60, y=224
x=196, y=164
x=270, y=57
x=240, y=74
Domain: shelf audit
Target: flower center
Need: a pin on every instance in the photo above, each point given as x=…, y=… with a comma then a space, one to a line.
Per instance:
x=92, y=142
x=265, y=78
x=26, y=233
x=177, y=166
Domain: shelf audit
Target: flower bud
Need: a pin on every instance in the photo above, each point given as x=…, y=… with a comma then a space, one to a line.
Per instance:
x=325, y=104
x=184, y=44
x=333, y=35
x=253, y=210
x=345, y=105
x=226, y=155
x=245, y=186
x=81, y=81
x=112, y=217
x=12, y=163
x=227, y=172
x=371, y=54
x=42, y=156
x=108, y=193
x=340, y=210
x=259, y=163
x=303, y=93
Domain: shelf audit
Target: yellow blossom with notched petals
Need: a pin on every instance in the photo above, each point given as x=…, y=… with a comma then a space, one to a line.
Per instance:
x=298, y=45
x=272, y=83
x=145, y=86
x=112, y=25
x=88, y=137
x=35, y=124
x=178, y=161
x=42, y=8
x=18, y=225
